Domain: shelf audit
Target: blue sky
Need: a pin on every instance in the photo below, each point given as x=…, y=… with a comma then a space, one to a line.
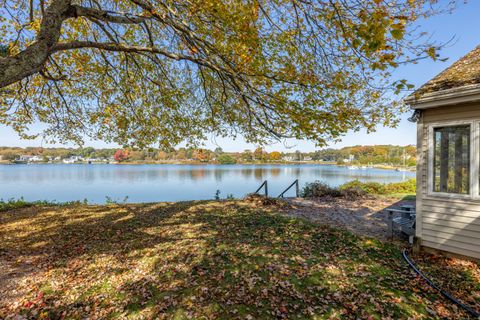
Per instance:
x=463, y=24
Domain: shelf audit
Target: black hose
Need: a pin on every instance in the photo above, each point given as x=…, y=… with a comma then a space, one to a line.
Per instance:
x=444, y=293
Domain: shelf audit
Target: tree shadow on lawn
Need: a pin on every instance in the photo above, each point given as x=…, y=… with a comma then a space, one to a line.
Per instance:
x=210, y=259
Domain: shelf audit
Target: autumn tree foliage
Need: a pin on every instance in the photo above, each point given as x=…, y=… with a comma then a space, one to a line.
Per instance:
x=259, y=154
x=141, y=72
x=162, y=155
x=121, y=155
x=201, y=155
x=10, y=156
x=247, y=155
x=181, y=154
x=275, y=156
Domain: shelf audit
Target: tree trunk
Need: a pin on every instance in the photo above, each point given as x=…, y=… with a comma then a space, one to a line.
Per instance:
x=32, y=59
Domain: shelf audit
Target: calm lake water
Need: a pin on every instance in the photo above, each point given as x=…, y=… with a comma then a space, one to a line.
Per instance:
x=150, y=183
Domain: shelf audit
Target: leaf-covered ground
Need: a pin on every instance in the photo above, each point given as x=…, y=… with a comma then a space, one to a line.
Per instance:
x=459, y=277
x=205, y=260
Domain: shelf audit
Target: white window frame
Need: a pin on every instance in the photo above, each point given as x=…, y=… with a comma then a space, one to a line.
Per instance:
x=474, y=159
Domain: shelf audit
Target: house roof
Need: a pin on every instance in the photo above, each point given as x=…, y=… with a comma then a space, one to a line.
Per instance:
x=464, y=73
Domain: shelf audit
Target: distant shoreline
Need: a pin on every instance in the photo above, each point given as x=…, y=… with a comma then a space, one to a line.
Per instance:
x=379, y=166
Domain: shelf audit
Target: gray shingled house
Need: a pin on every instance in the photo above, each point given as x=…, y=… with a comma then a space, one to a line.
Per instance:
x=447, y=111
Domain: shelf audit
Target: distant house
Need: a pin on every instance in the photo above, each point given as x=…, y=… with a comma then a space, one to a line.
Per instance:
x=24, y=158
x=29, y=159
x=36, y=159
x=72, y=159
x=447, y=111
x=350, y=158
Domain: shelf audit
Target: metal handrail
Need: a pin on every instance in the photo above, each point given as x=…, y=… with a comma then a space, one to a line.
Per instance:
x=265, y=183
x=297, y=189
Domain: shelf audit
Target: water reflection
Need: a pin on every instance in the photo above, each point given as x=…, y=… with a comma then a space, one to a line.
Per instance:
x=143, y=183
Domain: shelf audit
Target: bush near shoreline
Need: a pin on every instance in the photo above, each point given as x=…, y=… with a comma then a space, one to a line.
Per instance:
x=357, y=188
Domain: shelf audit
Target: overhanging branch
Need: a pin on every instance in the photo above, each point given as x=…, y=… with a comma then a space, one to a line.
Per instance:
x=108, y=16
x=61, y=46
x=119, y=47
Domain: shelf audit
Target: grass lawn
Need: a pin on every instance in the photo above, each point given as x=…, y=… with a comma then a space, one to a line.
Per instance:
x=200, y=260
x=403, y=196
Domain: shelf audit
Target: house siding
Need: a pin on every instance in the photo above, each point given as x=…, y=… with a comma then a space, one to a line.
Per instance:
x=445, y=223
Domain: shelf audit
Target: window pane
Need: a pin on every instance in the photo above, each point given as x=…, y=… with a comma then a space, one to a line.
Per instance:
x=451, y=163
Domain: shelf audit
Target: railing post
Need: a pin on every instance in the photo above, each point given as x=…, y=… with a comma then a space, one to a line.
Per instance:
x=264, y=184
x=297, y=190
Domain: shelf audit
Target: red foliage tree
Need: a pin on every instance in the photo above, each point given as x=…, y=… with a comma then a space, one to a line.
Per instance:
x=120, y=155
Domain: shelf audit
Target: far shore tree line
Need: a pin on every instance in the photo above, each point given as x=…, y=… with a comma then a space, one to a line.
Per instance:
x=364, y=155
x=356, y=155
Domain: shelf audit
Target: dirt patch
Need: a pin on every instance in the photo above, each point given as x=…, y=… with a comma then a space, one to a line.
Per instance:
x=362, y=216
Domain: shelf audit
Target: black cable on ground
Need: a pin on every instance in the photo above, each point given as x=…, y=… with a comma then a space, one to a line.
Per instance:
x=433, y=285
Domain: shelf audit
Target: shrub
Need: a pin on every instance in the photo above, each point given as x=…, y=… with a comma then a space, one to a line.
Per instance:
x=319, y=189
x=110, y=200
x=409, y=186
x=357, y=189
x=10, y=204
x=13, y=204
x=353, y=192
x=366, y=187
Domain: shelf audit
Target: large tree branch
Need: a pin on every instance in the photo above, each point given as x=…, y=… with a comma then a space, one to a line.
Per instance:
x=107, y=16
x=32, y=59
x=62, y=46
